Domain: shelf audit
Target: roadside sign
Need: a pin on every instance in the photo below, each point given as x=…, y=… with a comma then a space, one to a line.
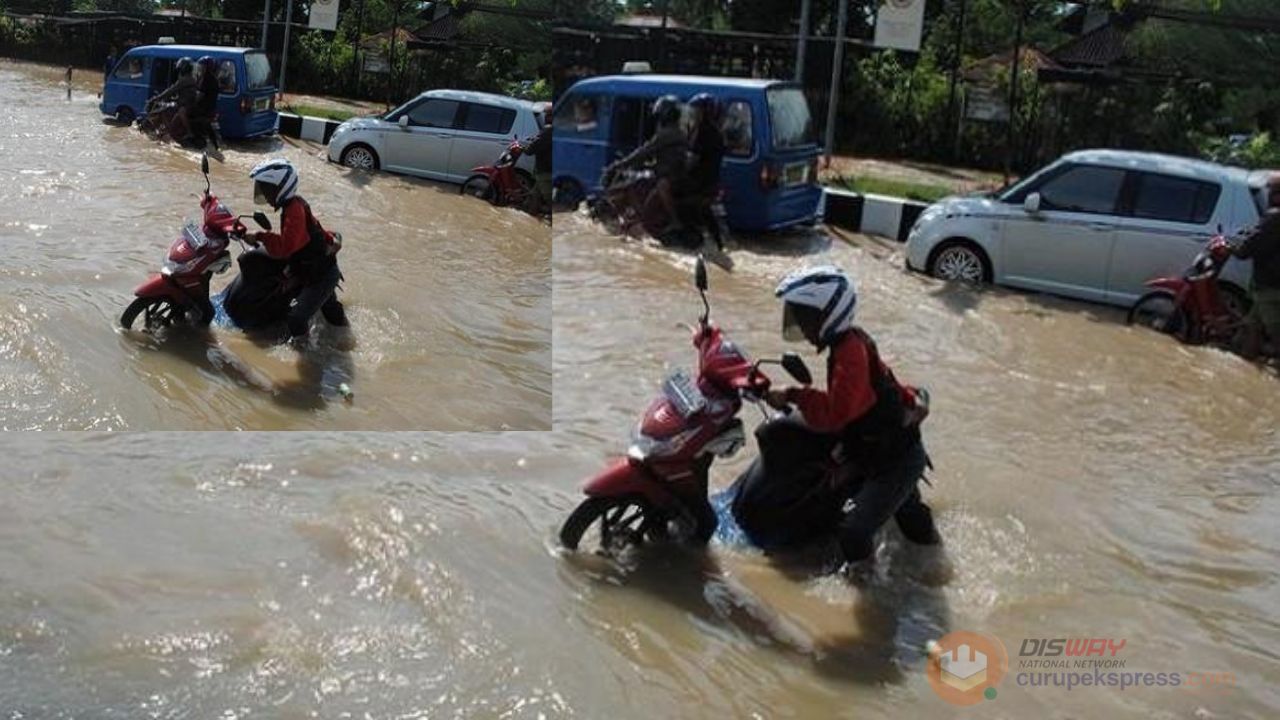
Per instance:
x=985, y=103
x=899, y=24
x=376, y=62
x=324, y=15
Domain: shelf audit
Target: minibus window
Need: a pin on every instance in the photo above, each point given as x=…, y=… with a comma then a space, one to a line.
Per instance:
x=630, y=128
x=227, y=77
x=580, y=114
x=790, y=118
x=130, y=69
x=736, y=126
x=258, y=70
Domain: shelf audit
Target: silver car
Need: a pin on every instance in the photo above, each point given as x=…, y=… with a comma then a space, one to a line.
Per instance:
x=1094, y=225
x=441, y=135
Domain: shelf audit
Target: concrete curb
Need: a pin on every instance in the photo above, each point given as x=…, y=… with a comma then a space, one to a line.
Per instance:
x=305, y=127
x=891, y=217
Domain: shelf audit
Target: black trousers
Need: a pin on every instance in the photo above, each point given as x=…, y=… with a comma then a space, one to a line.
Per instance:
x=890, y=492
x=319, y=294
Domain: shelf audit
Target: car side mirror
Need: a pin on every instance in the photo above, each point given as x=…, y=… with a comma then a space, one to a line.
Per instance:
x=403, y=122
x=262, y=220
x=795, y=367
x=1032, y=203
x=700, y=275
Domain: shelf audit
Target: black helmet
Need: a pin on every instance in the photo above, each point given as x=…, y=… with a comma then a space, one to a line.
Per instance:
x=206, y=62
x=707, y=104
x=666, y=110
x=184, y=66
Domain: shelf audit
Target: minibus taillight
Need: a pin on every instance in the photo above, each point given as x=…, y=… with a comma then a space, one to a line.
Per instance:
x=245, y=105
x=769, y=176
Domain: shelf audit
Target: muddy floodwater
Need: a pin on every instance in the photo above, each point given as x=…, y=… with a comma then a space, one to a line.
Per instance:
x=1091, y=482
x=449, y=298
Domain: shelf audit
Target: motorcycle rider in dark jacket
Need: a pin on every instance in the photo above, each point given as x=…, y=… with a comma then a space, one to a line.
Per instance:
x=875, y=418
x=308, y=248
x=667, y=149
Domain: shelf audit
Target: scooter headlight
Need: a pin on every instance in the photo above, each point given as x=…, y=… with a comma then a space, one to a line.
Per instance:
x=176, y=268
x=644, y=447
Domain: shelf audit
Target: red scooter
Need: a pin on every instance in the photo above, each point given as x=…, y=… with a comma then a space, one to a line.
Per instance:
x=500, y=183
x=179, y=293
x=659, y=490
x=1192, y=307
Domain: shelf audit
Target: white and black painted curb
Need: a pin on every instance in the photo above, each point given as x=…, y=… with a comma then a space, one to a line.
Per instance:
x=891, y=217
x=305, y=127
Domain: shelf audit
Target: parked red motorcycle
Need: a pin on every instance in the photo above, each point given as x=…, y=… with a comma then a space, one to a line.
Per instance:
x=659, y=490
x=1192, y=308
x=179, y=293
x=501, y=183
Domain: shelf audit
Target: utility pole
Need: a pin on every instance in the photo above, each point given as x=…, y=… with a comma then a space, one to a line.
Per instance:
x=355, y=70
x=837, y=66
x=1013, y=91
x=955, y=80
x=662, y=38
x=284, y=56
x=266, y=17
x=803, y=40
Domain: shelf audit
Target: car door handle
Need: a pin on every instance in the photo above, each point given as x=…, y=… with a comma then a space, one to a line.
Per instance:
x=1101, y=227
x=444, y=135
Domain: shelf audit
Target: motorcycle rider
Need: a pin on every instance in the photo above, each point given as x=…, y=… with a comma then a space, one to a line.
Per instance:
x=201, y=115
x=706, y=145
x=184, y=92
x=540, y=149
x=1262, y=245
x=667, y=149
x=875, y=417
x=308, y=248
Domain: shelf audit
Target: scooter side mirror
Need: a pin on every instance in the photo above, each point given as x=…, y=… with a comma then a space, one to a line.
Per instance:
x=700, y=274
x=795, y=367
x=262, y=220
x=204, y=163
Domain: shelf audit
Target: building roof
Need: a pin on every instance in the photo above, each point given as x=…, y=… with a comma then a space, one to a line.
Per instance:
x=1103, y=46
x=1029, y=59
x=645, y=20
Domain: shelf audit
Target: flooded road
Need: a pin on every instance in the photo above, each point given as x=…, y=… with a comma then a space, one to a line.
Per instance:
x=449, y=299
x=1091, y=482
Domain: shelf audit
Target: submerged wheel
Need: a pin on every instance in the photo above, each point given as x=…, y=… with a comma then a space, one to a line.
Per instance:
x=960, y=262
x=477, y=186
x=619, y=521
x=360, y=157
x=156, y=312
x=125, y=115
x=1158, y=311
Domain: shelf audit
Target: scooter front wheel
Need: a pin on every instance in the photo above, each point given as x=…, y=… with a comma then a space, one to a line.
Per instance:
x=478, y=186
x=155, y=311
x=619, y=522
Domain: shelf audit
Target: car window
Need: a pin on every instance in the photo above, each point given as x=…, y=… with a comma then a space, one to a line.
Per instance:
x=790, y=118
x=489, y=119
x=736, y=126
x=259, y=70
x=434, y=113
x=1083, y=188
x=227, y=77
x=578, y=114
x=1175, y=199
x=130, y=69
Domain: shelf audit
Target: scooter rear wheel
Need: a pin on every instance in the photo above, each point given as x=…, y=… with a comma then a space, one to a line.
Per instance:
x=1159, y=311
x=621, y=522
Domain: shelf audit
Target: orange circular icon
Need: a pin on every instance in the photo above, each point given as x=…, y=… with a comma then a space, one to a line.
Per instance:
x=965, y=667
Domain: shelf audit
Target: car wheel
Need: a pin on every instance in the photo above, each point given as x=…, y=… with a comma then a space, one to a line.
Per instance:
x=360, y=157
x=960, y=261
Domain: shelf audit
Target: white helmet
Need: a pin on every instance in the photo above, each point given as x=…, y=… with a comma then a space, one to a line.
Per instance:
x=824, y=294
x=274, y=182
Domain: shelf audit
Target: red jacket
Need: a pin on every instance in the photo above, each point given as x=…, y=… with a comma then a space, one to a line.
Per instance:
x=849, y=393
x=293, y=234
